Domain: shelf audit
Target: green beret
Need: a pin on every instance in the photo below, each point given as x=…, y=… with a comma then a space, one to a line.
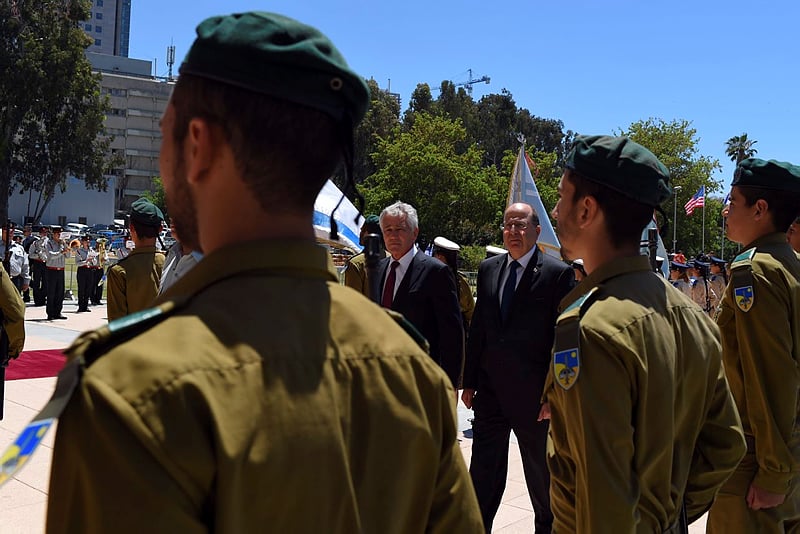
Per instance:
x=145, y=212
x=277, y=56
x=622, y=165
x=373, y=224
x=780, y=175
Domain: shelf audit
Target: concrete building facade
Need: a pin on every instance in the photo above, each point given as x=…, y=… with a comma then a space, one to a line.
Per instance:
x=137, y=103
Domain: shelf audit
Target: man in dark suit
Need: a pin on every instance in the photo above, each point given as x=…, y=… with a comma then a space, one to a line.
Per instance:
x=507, y=359
x=421, y=288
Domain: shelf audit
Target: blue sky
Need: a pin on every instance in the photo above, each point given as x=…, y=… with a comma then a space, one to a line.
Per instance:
x=729, y=67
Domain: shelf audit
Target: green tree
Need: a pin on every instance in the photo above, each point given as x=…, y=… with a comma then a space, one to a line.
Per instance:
x=739, y=148
x=455, y=196
x=157, y=196
x=51, y=110
x=381, y=119
x=675, y=144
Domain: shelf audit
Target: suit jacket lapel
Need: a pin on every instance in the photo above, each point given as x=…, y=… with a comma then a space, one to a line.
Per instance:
x=530, y=274
x=413, y=272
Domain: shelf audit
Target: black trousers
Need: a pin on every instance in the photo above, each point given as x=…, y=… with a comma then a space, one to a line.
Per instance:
x=489, y=464
x=39, y=282
x=55, y=292
x=85, y=278
x=97, y=287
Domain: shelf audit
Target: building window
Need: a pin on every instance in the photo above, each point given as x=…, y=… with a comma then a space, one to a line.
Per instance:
x=99, y=3
x=98, y=29
x=98, y=16
x=97, y=42
x=88, y=27
x=117, y=111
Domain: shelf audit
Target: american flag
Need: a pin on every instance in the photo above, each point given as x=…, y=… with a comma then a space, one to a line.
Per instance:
x=697, y=201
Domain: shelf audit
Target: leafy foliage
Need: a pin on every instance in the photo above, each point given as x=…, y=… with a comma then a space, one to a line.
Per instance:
x=675, y=144
x=51, y=109
x=739, y=148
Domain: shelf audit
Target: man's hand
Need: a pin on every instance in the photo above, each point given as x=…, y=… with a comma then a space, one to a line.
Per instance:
x=544, y=412
x=759, y=499
x=466, y=397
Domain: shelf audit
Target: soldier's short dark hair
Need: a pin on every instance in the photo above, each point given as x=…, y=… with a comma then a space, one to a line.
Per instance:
x=625, y=217
x=145, y=231
x=783, y=205
x=284, y=151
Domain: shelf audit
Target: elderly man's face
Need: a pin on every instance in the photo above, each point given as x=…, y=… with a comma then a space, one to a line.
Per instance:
x=398, y=235
x=519, y=232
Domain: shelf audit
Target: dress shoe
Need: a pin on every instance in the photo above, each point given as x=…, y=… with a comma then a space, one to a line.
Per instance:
x=60, y=317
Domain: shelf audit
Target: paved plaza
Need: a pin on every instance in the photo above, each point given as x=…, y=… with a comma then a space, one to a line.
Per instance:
x=23, y=499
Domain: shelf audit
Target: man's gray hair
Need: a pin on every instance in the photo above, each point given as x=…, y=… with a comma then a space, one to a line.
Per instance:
x=399, y=209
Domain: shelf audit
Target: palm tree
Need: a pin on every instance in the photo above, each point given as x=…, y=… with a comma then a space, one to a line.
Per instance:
x=740, y=148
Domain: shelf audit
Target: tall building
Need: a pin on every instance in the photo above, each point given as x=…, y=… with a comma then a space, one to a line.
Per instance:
x=137, y=102
x=109, y=26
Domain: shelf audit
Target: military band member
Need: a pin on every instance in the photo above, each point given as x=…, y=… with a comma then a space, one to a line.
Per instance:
x=37, y=259
x=759, y=318
x=643, y=424
x=56, y=251
x=85, y=257
x=446, y=251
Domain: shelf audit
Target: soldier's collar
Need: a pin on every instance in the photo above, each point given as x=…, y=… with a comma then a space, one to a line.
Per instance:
x=774, y=238
x=607, y=271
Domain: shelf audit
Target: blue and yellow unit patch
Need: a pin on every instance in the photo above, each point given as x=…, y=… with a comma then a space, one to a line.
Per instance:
x=744, y=297
x=23, y=447
x=567, y=367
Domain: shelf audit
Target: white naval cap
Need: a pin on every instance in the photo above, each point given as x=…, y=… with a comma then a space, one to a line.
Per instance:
x=443, y=242
x=495, y=251
x=578, y=261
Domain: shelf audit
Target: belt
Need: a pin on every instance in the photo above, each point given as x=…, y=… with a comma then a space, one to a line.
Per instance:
x=92, y=267
x=55, y=268
x=39, y=261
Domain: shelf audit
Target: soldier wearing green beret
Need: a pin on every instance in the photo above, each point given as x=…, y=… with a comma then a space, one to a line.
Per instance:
x=355, y=270
x=212, y=412
x=643, y=425
x=134, y=280
x=759, y=318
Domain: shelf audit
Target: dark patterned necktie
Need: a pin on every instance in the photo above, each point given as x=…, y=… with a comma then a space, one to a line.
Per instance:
x=388, y=290
x=508, y=290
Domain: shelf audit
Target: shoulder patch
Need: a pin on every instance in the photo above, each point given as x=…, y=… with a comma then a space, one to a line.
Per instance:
x=410, y=329
x=742, y=280
x=567, y=344
x=93, y=344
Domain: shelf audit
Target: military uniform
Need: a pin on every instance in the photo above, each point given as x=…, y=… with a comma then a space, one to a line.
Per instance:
x=759, y=318
x=236, y=419
x=36, y=260
x=56, y=253
x=355, y=273
x=465, y=300
x=629, y=395
x=13, y=314
x=133, y=282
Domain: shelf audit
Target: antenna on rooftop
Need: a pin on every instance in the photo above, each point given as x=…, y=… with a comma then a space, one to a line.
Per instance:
x=170, y=60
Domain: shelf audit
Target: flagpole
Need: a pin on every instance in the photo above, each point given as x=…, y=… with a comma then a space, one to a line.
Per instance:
x=703, y=241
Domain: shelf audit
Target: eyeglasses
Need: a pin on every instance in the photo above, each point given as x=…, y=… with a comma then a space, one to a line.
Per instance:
x=511, y=225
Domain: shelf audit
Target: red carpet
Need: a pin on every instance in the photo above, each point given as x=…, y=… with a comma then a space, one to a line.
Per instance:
x=36, y=364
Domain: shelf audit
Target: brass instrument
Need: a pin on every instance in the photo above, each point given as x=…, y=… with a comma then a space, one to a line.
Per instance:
x=101, y=251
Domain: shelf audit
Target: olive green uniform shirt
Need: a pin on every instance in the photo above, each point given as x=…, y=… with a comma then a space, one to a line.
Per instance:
x=13, y=310
x=646, y=421
x=355, y=273
x=761, y=352
x=133, y=282
x=465, y=300
x=316, y=413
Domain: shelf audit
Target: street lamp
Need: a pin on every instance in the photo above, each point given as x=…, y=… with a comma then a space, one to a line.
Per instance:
x=675, y=218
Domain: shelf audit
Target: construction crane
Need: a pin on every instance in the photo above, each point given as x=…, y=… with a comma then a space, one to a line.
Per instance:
x=472, y=81
x=469, y=83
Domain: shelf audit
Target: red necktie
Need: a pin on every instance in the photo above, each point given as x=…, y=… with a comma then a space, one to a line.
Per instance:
x=388, y=290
